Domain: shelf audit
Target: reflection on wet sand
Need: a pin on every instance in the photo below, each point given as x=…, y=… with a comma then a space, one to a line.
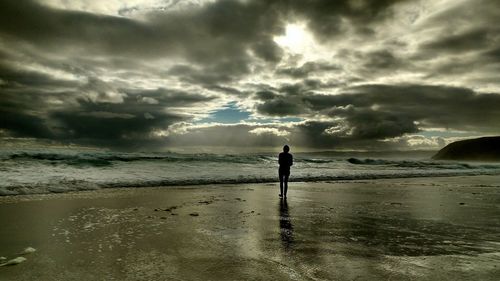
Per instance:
x=418, y=229
x=286, y=228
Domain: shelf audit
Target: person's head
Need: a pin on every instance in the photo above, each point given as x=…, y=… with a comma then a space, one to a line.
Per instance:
x=286, y=148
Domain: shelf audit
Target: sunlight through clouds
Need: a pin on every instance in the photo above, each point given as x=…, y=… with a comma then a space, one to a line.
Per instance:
x=333, y=73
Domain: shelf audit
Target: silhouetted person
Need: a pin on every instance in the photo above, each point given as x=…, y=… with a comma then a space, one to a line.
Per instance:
x=285, y=160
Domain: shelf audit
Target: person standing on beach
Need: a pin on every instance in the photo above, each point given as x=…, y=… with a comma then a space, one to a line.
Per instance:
x=285, y=160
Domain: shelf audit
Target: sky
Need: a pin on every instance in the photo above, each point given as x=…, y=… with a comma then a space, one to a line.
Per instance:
x=242, y=74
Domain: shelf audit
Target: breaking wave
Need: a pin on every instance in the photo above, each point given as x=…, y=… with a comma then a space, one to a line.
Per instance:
x=65, y=185
x=102, y=159
x=421, y=164
x=52, y=171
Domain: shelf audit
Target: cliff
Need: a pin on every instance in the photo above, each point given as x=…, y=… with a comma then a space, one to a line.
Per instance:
x=481, y=149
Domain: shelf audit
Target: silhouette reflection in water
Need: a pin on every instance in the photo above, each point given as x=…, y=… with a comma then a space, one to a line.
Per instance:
x=286, y=228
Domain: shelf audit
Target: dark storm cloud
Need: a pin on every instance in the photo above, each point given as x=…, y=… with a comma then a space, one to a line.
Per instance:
x=386, y=111
x=212, y=74
x=218, y=37
x=493, y=54
x=47, y=27
x=115, y=81
x=287, y=100
x=366, y=123
x=267, y=50
x=309, y=134
x=468, y=29
x=265, y=95
x=167, y=97
x=18, y=78
x=467, y=41
x=382, y=59
x=13, y=73
x=221, y=30
x=24, y=124
x=218, y=32
x=319, y=134
x=308, y=68
x=328, y=18
x=433, y=106
x=281, y=106
x=131, y=121
x=376, y=63
x=36, y=103
x=439, y=106
x=22, y=114
x=112, y=130
x=313, y=132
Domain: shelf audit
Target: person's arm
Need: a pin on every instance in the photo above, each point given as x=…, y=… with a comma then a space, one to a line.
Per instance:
x=291, y=160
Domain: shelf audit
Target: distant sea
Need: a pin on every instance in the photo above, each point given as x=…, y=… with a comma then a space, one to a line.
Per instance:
x=31, y=171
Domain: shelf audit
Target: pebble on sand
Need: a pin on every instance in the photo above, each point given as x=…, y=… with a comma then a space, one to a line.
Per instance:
x=15, y=261
x=28, y=250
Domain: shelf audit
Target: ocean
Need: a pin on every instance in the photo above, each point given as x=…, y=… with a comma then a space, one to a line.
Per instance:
x=35, y=171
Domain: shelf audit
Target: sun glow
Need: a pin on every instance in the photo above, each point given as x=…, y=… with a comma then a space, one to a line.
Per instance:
x=296, y=38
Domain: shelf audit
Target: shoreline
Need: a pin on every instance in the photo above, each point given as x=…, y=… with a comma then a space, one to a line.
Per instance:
x=339, y=179
x=441, y=228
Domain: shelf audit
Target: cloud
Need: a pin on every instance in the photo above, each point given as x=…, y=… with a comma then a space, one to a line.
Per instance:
x=148, y=74
x=149, y=100
x=366, y=123
x=469, y=40
x=222, y=135
x=205, y=35
x=24, y=125
x=111, y=130
x=328, y=19
x=267, y=130
x=382, y=59
x=439, y=106
x=104, y=114
x=308, y=68
x=99, y=91
x=95, y=120
x=281, y=106
x=387, y=111
x=148, y=115
x=201, y=36
x=164, y=97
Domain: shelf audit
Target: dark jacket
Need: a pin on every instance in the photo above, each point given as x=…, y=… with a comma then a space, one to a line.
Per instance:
x=285, y=160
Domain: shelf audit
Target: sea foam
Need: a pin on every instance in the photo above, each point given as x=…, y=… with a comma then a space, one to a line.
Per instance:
x=56, y=171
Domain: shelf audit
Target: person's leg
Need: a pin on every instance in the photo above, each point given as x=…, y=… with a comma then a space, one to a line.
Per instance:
x=280, y=174
x=286, y=175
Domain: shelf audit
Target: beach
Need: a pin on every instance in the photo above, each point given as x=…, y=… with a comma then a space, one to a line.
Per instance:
x=429, y=228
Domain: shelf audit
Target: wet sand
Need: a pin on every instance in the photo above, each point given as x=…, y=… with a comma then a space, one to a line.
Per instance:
x=398, y=229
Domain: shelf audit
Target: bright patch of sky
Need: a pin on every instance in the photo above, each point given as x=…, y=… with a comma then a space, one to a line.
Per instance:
x=229, y=114
x=126, y=8
x=444, y=133
x=275, y=120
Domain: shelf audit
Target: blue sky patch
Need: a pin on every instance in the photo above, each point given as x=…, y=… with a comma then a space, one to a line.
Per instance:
x=229, y=114
x=275, y=120
x=232, y=114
